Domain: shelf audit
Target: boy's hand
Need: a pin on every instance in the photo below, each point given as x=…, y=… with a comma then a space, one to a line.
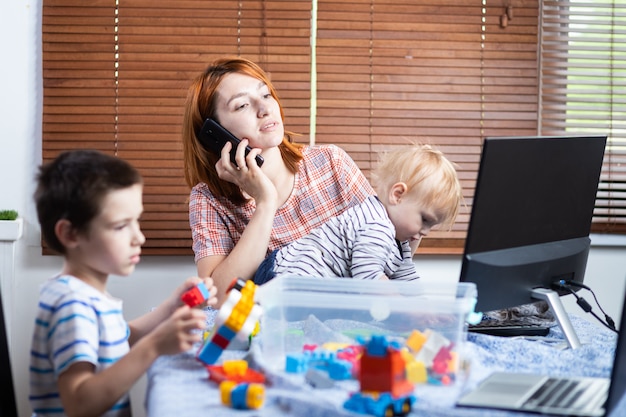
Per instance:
x=176, y=298
x=179, y=332
x=200, y=294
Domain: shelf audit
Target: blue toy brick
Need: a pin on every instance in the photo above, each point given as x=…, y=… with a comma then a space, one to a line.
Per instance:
x=226, y=332
x=238, y=397
x=377, y=346
x=296, y=363
x=340, y=370
x=203, y=290
x=212, y=349
x=210, y=353
x=364, y=404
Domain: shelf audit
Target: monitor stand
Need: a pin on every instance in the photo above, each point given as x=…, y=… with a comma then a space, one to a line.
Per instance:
x=554, y=301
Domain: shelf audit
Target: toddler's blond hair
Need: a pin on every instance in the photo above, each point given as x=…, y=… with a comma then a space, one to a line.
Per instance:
x=428, y=174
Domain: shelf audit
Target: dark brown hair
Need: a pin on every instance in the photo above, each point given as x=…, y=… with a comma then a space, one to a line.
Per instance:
x=72, y=187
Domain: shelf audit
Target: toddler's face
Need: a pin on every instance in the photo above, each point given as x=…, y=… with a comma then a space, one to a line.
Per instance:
x=413, y=219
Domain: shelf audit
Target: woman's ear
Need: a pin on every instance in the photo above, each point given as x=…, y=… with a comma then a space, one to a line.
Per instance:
x=396, y=192
x=65, y=232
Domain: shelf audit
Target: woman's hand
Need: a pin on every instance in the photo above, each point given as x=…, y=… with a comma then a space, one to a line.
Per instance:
x=246, y=174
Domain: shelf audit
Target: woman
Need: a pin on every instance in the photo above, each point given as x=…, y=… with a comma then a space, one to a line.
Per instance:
x=239, y=212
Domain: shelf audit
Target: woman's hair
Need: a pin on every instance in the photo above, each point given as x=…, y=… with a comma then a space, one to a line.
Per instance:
x=73, y=186
x=199, y=164
x=428, y=174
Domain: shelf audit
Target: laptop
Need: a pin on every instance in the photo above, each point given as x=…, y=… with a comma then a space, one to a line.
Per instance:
x=571, y=396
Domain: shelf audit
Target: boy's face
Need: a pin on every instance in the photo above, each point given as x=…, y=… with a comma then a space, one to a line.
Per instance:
x=412, y=218
x=113, y=242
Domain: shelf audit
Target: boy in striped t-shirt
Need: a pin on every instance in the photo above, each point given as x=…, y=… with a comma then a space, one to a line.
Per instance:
x=417, y=188
x=85, y=357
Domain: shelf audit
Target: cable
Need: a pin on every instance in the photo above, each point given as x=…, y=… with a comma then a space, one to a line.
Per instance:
x=608, y=318
x=609, y=323
x=587, y=308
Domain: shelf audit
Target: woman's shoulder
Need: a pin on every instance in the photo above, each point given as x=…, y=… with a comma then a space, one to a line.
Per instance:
x=323, y=150
x=200, y=188
x=332, y=164
x=323, y=155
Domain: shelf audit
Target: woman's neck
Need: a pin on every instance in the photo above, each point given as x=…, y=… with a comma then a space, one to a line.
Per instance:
x=277, y=171
x=282, y=178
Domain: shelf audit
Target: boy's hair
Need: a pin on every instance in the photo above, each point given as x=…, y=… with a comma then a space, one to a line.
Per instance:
x=72, y=187
x=428, y=174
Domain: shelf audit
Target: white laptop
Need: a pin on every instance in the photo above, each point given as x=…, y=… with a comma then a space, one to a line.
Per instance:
x=571, y=396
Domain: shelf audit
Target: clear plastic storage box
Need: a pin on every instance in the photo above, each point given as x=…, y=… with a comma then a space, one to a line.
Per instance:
x=301, y=312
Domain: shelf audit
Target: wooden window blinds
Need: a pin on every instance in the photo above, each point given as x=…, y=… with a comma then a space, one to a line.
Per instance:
x=385, y=73
x=441, y=72
x=116, y=76
x=583, y=71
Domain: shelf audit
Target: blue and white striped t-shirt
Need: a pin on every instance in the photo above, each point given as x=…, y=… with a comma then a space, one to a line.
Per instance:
x=359, y=243
x=75, y=323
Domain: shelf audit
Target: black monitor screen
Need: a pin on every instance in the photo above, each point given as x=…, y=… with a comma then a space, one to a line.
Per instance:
x=531, y=216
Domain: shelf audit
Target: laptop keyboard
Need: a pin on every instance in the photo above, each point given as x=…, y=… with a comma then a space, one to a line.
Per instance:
x=554, y=393
x=560, y=393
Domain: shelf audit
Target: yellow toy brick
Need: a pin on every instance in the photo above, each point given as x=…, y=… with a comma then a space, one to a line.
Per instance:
x=416, y=340
x=235, y=367
x=416, y=372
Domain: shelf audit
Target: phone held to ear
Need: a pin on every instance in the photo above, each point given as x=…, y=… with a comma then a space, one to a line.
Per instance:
x=213, y=137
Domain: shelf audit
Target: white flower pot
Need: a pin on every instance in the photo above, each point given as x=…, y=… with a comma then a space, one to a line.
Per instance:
x=11, y=229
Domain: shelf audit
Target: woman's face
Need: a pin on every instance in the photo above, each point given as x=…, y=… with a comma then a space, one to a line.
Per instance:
x=246, y=108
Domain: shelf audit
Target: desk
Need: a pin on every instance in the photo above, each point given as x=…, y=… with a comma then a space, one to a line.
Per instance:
x=178, y=385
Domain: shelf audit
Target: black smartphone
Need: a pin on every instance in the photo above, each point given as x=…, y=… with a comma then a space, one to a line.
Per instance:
x=213, y=137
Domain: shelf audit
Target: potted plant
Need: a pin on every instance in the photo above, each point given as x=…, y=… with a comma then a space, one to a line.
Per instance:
x=10, y=225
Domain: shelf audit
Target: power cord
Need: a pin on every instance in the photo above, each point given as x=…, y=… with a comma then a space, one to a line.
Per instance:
x=567, y=285
x=608, y=319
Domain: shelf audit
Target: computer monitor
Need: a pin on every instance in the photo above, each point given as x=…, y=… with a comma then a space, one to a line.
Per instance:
x=530, y=220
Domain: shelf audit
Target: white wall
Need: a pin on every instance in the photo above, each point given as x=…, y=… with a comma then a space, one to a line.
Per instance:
x=20, y=145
